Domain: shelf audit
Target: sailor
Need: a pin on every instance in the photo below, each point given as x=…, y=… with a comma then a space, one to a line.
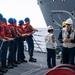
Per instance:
x=29, y=39
x=8, y=36
x=15, y=40
x=20, y=31
x=11, y=43
x=65, y=37
x=51, y=45
x=60, y=53
x=3, y=47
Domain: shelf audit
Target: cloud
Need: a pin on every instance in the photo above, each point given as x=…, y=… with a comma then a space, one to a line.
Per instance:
x=20, y=9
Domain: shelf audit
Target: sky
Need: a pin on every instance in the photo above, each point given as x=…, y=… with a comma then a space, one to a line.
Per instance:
x=20, y=9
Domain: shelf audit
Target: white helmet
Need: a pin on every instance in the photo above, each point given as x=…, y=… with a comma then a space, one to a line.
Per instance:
x=50, y=27
x=69, y=21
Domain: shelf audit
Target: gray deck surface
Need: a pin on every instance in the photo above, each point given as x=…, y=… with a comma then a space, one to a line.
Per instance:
x=31, y=68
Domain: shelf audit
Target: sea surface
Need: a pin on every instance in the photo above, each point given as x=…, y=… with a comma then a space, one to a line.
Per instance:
x=39, y=39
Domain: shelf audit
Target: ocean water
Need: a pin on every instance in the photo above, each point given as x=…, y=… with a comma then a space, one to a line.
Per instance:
x=39, y=39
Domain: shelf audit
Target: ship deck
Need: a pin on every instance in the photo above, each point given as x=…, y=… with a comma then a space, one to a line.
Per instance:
x=31, y=68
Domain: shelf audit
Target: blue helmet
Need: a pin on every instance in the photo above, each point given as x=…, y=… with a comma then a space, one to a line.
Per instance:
x=14, y=20
x=10, y=20
x=1, y=16
x=21, y=22
x=4, y=20
x=26, y=19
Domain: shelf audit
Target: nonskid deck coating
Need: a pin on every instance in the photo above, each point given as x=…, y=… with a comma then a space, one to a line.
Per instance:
x=31, y=68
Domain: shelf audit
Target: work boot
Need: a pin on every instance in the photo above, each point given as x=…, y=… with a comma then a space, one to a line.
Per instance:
x=17, y=62
x=9, y=67
x=24, y=61
x=49, y=66
x=14, y=65
x=3, y=70
x=32, y=60
x=1, y=73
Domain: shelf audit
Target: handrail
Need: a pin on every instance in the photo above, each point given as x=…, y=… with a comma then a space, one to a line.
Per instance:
x=64, y=11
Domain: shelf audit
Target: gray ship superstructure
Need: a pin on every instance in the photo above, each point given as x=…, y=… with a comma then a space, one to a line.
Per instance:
x=57, y=11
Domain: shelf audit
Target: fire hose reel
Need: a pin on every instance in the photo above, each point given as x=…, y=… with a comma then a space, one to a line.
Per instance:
x=64, y=69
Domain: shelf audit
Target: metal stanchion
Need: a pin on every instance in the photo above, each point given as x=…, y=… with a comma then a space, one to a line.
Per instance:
x=1, y=50
x=38, y=44
x=1, y=46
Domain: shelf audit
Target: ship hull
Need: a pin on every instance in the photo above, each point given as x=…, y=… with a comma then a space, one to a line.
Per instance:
x=47, y=6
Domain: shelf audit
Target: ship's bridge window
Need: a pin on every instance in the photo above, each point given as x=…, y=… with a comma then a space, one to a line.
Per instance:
x=58, y=0
x=63, y=0
x=54, y=0
x=41, y=2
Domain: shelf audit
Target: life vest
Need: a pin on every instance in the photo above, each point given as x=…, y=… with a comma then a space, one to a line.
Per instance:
x=15, y=30
x=7, y=31
x=2, y=34
x=11, y=26
x=71, y=36
x=27, y=28
x=49, y=43
x=20, y=29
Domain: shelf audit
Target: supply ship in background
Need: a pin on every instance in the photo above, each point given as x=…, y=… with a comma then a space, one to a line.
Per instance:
x=57, y=11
